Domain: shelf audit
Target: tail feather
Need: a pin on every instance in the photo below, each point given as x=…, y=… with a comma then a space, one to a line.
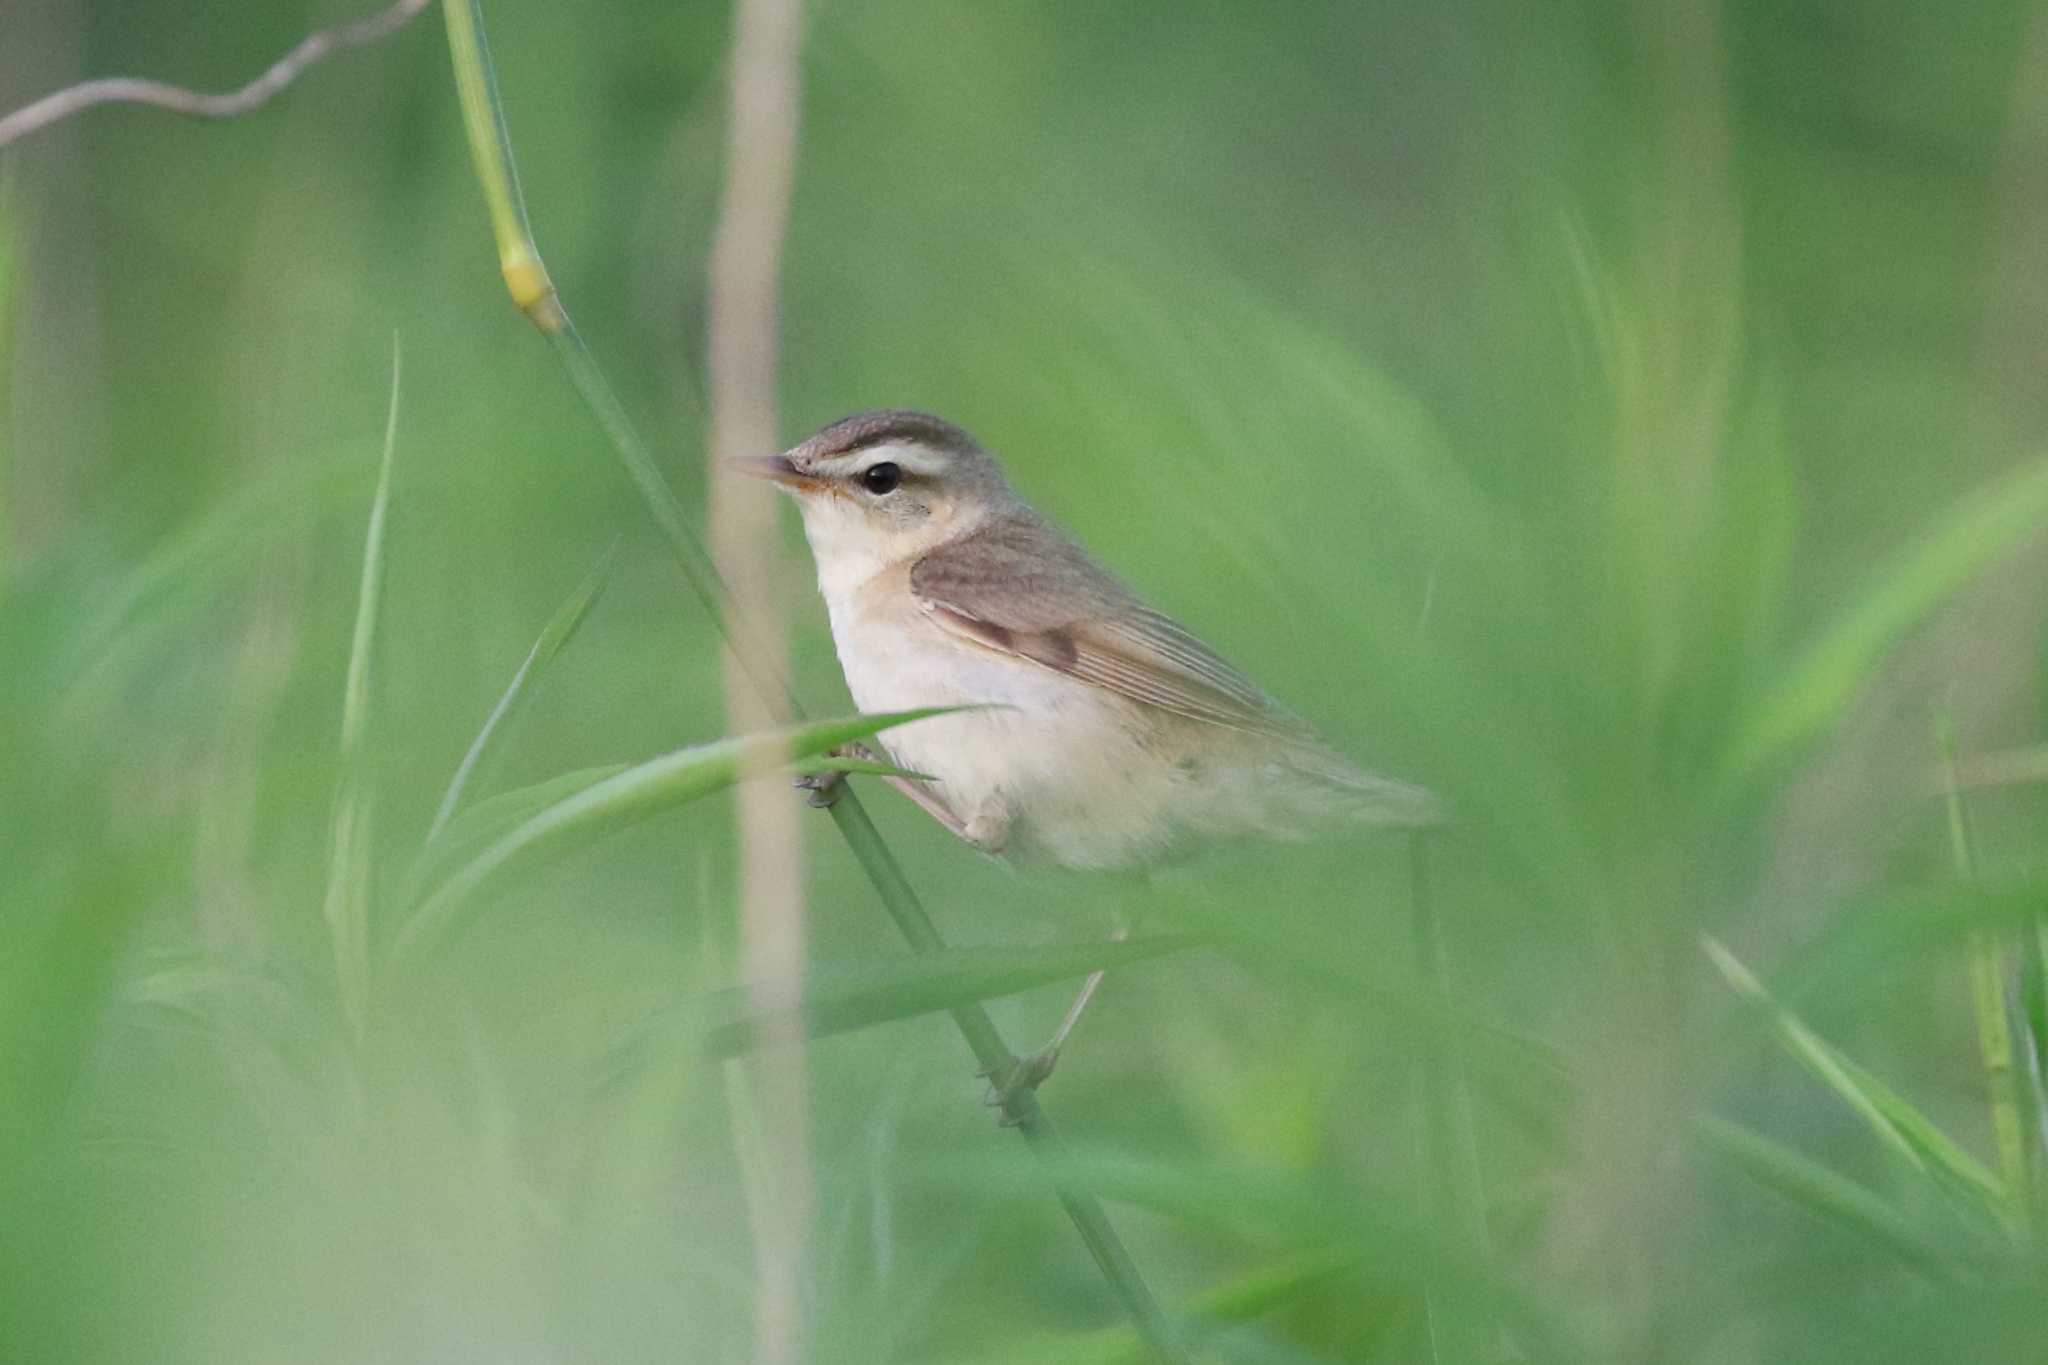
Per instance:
x=1367, y=798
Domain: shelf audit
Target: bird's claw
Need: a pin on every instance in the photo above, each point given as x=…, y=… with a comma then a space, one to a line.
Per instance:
x=821, y=790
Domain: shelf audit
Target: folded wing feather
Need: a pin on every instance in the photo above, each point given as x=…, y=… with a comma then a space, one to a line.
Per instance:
x=1021, y=588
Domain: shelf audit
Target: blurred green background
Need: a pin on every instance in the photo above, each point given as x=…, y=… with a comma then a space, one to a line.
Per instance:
x=1622, y=418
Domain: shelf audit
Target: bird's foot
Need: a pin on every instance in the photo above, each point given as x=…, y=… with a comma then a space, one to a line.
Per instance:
x=1022, y=1077
x=821, y=790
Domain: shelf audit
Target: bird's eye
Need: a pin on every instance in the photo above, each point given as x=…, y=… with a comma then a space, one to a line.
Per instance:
x=881, y=478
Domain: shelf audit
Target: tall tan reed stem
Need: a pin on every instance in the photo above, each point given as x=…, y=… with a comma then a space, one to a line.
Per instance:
x=745, y=268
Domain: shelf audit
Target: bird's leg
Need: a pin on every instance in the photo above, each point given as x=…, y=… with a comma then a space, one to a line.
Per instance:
x=931, y=805
x=987, y=831
x=1028, y=1073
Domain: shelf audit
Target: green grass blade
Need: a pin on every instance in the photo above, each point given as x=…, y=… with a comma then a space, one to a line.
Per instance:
x=2033, y=1031
x=1263, y=1291
x=623, y=799
x=347, y=902
x=464, y=836
x=468, y=832
x=560, y=629
x=189, y=980
x=1900, y=1126
x=1825, y=1193
x=1992, y=984
x=1984, y=525
x=841, y=997
x=1899, y=933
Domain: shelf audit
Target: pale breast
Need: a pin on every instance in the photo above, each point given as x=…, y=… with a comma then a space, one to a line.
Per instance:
x=1054, y=759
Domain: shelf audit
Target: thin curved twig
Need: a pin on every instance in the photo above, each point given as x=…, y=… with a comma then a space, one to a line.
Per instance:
x=314, y=48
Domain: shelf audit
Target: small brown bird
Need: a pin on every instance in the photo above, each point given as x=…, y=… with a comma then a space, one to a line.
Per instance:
x=1113, y=737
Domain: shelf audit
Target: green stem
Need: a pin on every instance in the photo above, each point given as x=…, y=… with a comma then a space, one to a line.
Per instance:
x=1022, y=1108
x=527, y=279
x=691, y=556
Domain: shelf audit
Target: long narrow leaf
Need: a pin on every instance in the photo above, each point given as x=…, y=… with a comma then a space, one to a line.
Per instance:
x=624, y=799
x=841, y=997
x=1900, y=1126
x=347, y=901
x=1903, y=931
x=463, y=836
x=1824, y=1193
x=554, y=637
x=468, y=833
x=2033, y=1029
x=1992, y=993
x=1977, y=530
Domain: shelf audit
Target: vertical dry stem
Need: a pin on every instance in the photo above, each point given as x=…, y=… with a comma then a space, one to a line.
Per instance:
x=745, y=259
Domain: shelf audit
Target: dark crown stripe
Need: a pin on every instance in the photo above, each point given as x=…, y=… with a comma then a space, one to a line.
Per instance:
x=865, y=429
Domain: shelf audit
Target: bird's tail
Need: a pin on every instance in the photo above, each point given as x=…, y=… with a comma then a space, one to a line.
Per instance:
x=1369, y=799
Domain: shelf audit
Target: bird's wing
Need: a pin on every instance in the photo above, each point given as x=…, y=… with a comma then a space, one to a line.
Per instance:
x=1021, y=588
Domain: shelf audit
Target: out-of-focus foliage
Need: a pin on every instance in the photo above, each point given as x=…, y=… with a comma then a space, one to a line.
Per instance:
x=1625, y=419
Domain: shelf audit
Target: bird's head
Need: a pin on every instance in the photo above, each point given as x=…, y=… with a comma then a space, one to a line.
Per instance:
x=881, y=487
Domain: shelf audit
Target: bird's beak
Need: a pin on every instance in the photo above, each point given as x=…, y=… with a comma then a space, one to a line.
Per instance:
x=776, y=469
